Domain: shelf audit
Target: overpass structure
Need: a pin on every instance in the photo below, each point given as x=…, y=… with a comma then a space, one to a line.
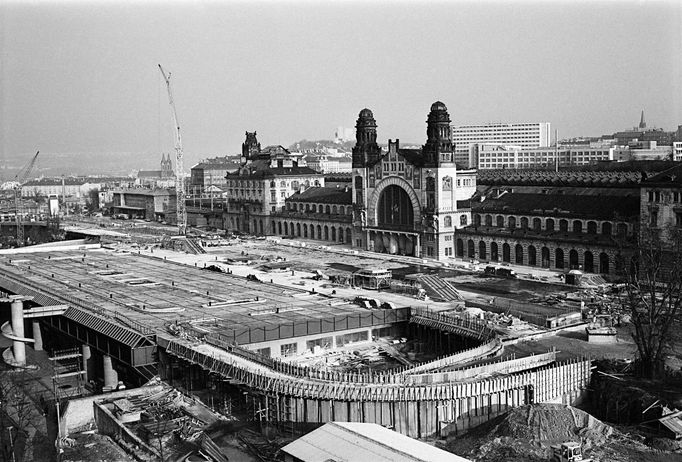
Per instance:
x=135, y=316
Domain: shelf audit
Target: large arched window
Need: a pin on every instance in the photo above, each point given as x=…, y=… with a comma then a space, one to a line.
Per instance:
x=394, y=207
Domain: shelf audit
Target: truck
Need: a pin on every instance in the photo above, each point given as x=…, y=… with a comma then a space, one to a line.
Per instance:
x=570, y=451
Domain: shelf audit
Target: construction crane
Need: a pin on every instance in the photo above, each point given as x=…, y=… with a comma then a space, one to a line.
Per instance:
x=19, y=179
x=179, y=186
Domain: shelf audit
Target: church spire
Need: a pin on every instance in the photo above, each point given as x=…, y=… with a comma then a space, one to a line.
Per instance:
x=642, y=122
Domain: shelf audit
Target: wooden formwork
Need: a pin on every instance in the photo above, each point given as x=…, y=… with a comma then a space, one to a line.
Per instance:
x=417, y=410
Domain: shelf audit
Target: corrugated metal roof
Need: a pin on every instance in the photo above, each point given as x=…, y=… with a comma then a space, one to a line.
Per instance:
x=364, y=441
x=117, y=332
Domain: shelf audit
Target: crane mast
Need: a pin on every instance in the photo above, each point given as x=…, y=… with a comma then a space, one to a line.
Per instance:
x=20, y=178
x=179, y=186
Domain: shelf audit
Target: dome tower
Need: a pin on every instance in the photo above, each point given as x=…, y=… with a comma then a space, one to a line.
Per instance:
x=366, y=150
x=438, y=147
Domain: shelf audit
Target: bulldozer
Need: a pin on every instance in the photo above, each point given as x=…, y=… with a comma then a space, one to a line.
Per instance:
x=568, y=452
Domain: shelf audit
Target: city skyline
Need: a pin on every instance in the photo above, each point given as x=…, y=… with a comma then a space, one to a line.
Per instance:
x=82, y=77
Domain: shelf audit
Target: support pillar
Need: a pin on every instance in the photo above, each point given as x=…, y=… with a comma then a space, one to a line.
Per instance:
x=110, y=375
x=18, y=347
x=87, y=362
x=37, y=336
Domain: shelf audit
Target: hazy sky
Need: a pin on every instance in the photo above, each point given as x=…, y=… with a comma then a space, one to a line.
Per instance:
x=82, y=76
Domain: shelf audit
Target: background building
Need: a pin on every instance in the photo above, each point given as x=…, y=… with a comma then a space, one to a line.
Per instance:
x=211, y=172
x=261, y=185
x=494, y=156
x=524, y=135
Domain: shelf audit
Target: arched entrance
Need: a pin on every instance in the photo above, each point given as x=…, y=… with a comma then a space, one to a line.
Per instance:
x=532, y=256
x=481, y=251
x=545, y=257
x=506, y=253
x=573, y=259
x=603, y=263
x=589, y=262
x=494, y=253
x=471, y=249
x=559, y=258
x=518, y=251
x=459, y=248
x=395, y=206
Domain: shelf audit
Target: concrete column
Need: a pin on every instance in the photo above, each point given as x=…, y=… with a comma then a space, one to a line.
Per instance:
x=18, y=347
x=87, y=362
x=110, y=375
x=37, y=336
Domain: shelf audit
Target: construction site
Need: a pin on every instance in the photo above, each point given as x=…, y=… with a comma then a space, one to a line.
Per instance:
x=274, y=338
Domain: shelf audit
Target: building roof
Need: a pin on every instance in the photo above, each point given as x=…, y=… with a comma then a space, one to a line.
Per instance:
x=325, y=195
x=667, y=178
x=262, y=168
x=604, y=207
x=218, y=163
x=147, y=192
x=341, y=441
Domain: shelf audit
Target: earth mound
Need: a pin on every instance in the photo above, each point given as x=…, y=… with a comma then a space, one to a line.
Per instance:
x=527, y=433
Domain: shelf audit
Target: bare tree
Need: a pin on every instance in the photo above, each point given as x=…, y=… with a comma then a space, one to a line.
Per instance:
x=653, y=298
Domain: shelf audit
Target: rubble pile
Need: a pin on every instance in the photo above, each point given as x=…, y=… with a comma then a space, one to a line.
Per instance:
x=527, y=433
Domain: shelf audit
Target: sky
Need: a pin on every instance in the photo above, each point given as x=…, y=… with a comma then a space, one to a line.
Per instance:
x=82, y=77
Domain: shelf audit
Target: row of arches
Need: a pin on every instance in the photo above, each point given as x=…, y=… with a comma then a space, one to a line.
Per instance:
x=605, y=228
x=340, y=234
x=320, y=208
x=532, y=255
x=255, y=227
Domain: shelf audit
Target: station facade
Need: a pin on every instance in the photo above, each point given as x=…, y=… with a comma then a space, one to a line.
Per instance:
x=409, y=201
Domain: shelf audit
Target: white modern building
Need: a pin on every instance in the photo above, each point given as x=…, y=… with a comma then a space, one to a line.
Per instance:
x=524, y=135
x=677, y=151
x=496, y=156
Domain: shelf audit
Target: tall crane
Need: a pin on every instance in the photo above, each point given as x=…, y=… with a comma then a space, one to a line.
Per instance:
x=179, y=170
x=20, y=178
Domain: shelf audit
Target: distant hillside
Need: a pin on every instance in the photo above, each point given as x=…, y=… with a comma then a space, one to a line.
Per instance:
x=307, y=145
x=86, y=163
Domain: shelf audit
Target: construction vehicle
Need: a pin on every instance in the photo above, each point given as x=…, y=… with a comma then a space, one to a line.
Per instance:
x=179, y=184
x=19, y=180
x=568, y=452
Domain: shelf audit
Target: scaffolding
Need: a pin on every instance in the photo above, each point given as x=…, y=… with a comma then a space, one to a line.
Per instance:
x=68, y=379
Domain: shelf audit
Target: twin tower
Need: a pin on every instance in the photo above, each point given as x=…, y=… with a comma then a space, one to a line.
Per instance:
x=438, y=148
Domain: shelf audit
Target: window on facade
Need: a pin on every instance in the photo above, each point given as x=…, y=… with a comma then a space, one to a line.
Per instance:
x=273, y=184
x=463, y=220
x=448, y=222
x=288, y=349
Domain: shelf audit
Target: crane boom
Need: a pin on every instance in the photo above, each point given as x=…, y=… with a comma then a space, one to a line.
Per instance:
x=20, y=178
x=179, y=187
